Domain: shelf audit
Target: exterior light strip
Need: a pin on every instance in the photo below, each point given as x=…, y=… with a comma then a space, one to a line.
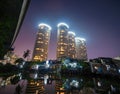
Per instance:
x=43, y=24
x=70, y=32
x=60, y=24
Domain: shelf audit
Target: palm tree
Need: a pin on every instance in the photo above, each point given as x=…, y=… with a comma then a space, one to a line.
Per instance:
x=26, y=53
x=19, y=61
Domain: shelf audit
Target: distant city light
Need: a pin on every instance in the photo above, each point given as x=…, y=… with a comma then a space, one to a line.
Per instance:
x=60, y=24
x=37, y=67
x=47, y=65
x=78, y=38
x=119, y=70
x=43, y=24
x=74, y=83
x=70, y=32
x=45, y=79
x=35, y=76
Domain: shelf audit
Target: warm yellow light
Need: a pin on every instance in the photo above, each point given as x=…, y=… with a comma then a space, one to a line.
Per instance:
x=38, y=41
x=62, y=93
x=62, y=31
x=37, y=48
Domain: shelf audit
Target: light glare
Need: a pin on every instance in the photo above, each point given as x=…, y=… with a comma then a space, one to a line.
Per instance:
x=70, y=32
x=78, y=38
x=43, y=24
x=60, y=24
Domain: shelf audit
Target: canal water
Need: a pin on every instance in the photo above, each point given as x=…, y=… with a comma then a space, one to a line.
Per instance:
x=52, y=83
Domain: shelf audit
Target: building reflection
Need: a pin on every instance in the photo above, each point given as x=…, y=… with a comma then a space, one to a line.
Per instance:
x=72, y=85
x=35, y=87
x=54, y=84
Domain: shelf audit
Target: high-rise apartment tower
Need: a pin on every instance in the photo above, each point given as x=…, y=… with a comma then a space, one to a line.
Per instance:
x=62, y=40
x=81, y=51
x=71, y=44
x=40, y=52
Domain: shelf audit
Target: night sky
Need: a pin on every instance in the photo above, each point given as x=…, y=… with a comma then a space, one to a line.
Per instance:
x=98, y=21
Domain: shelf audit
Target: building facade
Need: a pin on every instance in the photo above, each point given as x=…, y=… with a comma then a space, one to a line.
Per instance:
x=71, y=44
x=62, y=40
x=80, y=47
x=40, y=52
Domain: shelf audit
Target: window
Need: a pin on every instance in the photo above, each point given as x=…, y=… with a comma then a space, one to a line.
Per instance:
x=38, y=41
x=39, y=37
x=62, y=31
x=37, y=48
x=42, y=50
x=41, y=27
x=47, y=34
x=61, y=52
x=36, y=57
x=62, y=49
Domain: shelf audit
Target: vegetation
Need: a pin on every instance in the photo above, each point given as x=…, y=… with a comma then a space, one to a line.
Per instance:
x=26, y=54
x=9, y=13
x=8, y=69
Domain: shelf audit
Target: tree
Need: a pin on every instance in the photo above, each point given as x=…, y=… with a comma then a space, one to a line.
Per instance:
x=26, y=53
x=19, y=61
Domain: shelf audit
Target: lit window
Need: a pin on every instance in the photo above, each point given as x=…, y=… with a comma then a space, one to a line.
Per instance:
x=62, y=49
x=61, y=88
x=81, y=47
x=39, y=38
x=42, y=50
x=41, y=27
x=47, y=34
x=37, y=48
x=65, y=43
x=38, y=41
x=41, y=42
x=62, y=93
x=62, y=31
x=61, y=36
x=61, y=52
x=36, y=57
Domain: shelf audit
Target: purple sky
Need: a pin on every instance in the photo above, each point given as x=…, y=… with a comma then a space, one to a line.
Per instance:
x=98, y=21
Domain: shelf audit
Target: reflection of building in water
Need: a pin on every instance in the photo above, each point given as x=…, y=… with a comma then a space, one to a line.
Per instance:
x=87, y=90
x=35, y=87
x=58, y=87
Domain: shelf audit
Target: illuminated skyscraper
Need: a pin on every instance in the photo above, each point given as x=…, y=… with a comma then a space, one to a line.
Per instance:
x=71, y=44
x=62, y=40
x=40, y=52
x=81, y=51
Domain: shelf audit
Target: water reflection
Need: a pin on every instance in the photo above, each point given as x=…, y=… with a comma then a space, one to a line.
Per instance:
x=56, y=84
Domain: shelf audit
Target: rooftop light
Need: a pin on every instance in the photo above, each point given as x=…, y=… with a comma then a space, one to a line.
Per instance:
x=60, y=24
x=43, y=24
x=78, y=38
x=71, y=33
